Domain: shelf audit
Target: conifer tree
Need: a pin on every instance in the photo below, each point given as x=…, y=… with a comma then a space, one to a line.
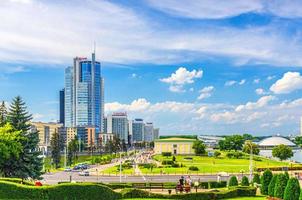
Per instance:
x=3, y=114
x=292, y=190
x=29, y=163
x=55, y=144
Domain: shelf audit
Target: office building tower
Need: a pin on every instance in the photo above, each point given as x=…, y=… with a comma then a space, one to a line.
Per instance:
x=84, y=89
x=155, y=133
x=62, y=106
x=148, y=132
x=117, y=124
x=138, y=129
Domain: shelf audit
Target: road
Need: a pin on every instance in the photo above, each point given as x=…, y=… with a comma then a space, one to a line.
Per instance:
x=54, y=178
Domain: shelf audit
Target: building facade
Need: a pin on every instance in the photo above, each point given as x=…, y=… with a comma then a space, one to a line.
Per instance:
x=84, y=88
x=117, y=124
x=62, y=106
x=138, y=130
x=148, y=132
x=174, y=145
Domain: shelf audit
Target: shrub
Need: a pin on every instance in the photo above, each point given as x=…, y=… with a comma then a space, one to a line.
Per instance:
x=281, y=182
x=62, y=191
x=233, y=181
x=245, y=181
x=167, y=162
x=256, y=179
x=265, y=181
x=136, y=193
x=193, y=168
x=173, y=158
x=166, y=154
x=292, y=189
x=236, y=154
x=204, y=185
x=217, y=154
x=214, y=184
x=271, y=186
x=176, y=165
x=147, y=165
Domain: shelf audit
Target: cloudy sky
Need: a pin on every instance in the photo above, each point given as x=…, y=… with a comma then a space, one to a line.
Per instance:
x=202, y=67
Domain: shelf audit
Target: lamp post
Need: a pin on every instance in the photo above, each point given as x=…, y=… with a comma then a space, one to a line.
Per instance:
x=251, y=161
x=120, y=167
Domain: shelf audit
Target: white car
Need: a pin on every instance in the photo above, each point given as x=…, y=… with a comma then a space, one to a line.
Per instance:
x=84, y=173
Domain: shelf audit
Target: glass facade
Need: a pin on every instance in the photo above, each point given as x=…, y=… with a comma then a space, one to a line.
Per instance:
x=138, y=130
x=83, y=94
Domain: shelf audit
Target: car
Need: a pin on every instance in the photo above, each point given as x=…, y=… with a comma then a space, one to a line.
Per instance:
x=67, y=170
x=84, y=173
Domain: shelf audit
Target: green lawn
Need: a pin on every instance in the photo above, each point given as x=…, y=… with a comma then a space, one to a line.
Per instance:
x=115, y=170
x=211, y=165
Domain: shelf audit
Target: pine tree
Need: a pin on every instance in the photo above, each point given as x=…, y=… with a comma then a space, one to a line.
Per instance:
x=29, y=163
x=55, y=144
x=3, y=114
x=280, y=185
x=245, y=181
x=265, y=181
x=292, y=190
x=271, y=186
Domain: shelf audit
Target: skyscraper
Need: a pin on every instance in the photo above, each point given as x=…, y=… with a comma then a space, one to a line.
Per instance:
x=117, y=124
x=62, y=106
x=138, y=129
x=148, y=132
x=84, y=94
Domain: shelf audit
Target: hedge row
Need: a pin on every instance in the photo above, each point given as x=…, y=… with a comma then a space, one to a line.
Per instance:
x=231, y=193
x=63, y=191
x=16, y=180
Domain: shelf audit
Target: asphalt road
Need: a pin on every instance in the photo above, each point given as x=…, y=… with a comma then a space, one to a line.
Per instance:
x=54, y=178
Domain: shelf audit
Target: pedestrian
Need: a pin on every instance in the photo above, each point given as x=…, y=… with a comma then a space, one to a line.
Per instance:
x=182, y=180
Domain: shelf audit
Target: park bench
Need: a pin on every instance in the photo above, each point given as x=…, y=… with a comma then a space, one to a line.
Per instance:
x=139, y=185
x=156, y=186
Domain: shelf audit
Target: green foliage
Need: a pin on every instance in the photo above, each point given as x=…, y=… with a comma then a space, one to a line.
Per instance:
x=282, y=152
x=217, y=154
x=265, y=181
x=56, y=144
x=73, y=148
x=292, y=189
x=235, y=154
x=173, y=158
x=3, y=114
x=233, y=142
x=281, y=182
x=271, y=186
x=29, y=163
x=167, y=162
x=247, y=137
x=298, y=140
x=215, y=184
x=233, y=181
x=193, y=168
x=248, y=146
x=256, y=179
x=178, y=136
x=199, y=147
x=61, y=191
x=245, y=181
x=166, y=154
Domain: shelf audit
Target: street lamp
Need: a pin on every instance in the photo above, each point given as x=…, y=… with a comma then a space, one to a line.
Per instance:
x=120, y=167
x=251, y=161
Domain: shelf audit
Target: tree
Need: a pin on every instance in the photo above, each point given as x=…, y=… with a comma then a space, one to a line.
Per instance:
x=247, y=147
x=233, y=142
x=217, y=154
x=247, y=137
x=256, y=179
x=298, y=140
x=199, y=147
x=292, y=189
x=282, y=152
x=281, y=182
x=3, y=114
x=265, y=181
x=124, y=146
x=73, y=147
x=10, y=144
x=271, y=186
x=233, y=181
x=29, y=163
x=55, y=144
x=245, y=181
x=116, y=144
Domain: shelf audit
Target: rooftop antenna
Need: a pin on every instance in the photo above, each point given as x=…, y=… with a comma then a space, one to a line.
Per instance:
x=94, y=47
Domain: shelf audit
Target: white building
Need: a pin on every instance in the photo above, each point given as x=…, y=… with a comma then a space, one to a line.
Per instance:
x=117, y=124
x=148, y=132
x=271, y=142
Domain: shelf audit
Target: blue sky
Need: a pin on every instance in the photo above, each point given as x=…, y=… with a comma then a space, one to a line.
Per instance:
x=202, y=67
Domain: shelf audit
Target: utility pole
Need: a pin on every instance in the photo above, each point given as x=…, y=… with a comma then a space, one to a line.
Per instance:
x=120, y=167
x=251, y=161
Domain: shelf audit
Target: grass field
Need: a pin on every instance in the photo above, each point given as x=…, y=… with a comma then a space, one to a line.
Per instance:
x=211, y=165
x=115, y=170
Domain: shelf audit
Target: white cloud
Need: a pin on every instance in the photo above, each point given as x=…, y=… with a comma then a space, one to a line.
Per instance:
x=290, y=82
x=256, y=81
x=260, y=91
x=270, y=78
x=233, y=82
x=206, y=92
x=37, y=116
x=263, y=101
x=180, y=78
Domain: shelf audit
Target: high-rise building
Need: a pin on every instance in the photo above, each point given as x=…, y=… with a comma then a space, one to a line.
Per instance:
x=138, y=129
x=155, y=133
x=117, y=124
x=84, y=89
x=148, y=132
x=62, y=106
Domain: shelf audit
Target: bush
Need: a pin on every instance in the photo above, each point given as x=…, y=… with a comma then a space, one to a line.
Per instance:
x=136, y=193
x=204, y=185
x=173, y=158
x=147, y=165
x=176, y=165
x=62, y=191
x=265, y=181
x=236, y=154
x=167, y=162
x=271, y=186
x=256, y=179
x=166, y=154
x=245, y=181
x=280, y=185
x=292, y=189
x=217, y=154
x=214, y=184
x=233, y=181
x=193, y=168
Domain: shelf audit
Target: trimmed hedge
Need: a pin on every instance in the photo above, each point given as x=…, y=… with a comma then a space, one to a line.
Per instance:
x=63, y=191
x=17, y=180
x=231, y=193
x=245, y=181
x=233, y=181
x=214, y=184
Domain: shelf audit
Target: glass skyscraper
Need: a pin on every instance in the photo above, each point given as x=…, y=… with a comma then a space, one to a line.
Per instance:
x=84, y=95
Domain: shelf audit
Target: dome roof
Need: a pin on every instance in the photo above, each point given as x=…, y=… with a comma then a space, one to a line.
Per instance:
x=275, y=141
